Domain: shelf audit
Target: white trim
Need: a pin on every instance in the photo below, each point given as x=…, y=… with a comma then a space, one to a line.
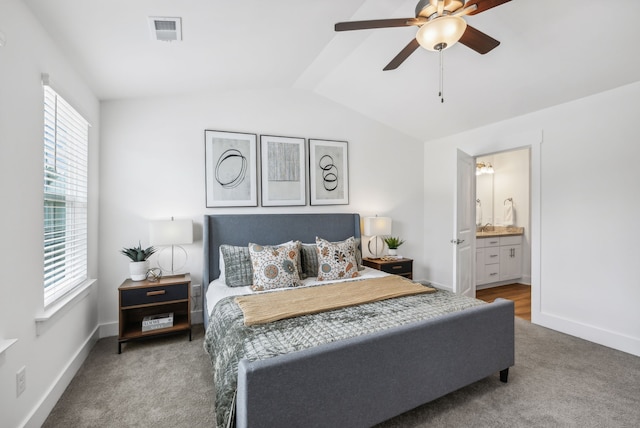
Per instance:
x=6, y=344
x=438, y=285
x=40, y=412
x=109, y=329
x=62, y=306
x=591, y=333
x=196, y=317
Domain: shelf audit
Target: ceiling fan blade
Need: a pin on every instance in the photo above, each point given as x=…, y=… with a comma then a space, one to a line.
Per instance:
x=478, y=41
x=376, y=23
x=404, y=54
x=484, y=5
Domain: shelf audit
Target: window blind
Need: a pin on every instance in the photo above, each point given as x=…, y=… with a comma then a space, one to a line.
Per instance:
x=66, y=141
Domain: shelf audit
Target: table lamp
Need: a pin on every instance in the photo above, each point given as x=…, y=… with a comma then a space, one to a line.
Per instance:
x=171, y=234
x=376, y=228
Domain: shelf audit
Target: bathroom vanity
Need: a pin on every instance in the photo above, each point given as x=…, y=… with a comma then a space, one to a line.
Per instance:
x=498, y=255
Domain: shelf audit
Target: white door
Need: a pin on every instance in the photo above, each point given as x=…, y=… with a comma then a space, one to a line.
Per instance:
x=464, y=281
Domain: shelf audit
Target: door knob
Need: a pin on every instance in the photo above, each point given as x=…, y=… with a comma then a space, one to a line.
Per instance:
x=457, y=241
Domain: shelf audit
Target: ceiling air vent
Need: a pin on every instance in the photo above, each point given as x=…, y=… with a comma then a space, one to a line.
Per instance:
x=165, y=29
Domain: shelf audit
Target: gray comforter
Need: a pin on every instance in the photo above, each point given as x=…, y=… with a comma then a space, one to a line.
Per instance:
x=228, y=340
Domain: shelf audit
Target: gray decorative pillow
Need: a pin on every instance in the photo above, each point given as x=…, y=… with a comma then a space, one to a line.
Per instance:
x=336, y=260
x=274, y=266
x=238, y=271
x=356, y=246
x=309, y=260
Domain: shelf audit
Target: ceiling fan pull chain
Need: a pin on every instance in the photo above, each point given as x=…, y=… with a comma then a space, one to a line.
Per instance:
x=441, y=93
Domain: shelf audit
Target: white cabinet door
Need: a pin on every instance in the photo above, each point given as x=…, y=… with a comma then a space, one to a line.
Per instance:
x=510, y=262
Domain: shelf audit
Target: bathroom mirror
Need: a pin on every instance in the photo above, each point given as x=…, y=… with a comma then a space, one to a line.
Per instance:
x=509, y=180
x=484, y=199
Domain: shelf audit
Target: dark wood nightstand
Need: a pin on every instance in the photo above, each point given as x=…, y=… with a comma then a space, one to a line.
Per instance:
x=402, y=267
x=138, y=299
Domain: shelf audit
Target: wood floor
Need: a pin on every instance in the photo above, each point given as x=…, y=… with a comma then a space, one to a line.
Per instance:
x=519, y=293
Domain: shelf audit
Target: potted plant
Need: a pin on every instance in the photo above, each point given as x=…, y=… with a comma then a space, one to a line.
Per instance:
x=393, y=243
x=139, y=265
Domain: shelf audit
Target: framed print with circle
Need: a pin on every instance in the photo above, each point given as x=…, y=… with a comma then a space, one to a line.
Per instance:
x=328, y=172
x=284, y=176
x=230, y=169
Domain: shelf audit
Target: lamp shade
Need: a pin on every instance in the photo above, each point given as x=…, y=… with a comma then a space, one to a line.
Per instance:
x=171, y=232
x=441, y=33
x=377, y=226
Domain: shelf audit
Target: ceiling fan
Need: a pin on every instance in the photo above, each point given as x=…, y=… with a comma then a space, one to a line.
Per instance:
x=440, y=26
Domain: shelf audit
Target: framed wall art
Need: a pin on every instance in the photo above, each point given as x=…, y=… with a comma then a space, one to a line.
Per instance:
x=328, y=172
x=230, y=169
x=284, y=178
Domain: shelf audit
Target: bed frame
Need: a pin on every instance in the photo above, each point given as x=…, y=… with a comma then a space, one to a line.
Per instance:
x=365, y=380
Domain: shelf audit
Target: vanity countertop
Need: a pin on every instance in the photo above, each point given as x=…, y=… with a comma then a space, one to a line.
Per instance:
x=500, y=231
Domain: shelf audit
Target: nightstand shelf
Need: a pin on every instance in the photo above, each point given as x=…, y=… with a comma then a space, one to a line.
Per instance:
x=138, y=299
x=402, y=266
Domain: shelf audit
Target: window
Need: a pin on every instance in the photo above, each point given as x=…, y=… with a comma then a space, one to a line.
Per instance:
x=66, y=141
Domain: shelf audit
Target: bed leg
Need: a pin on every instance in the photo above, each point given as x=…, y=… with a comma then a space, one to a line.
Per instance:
x=504, y=375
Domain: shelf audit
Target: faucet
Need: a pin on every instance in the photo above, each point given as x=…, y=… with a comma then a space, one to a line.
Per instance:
x=484, y=228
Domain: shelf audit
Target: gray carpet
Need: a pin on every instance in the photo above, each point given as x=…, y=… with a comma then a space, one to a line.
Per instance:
x=558, y=381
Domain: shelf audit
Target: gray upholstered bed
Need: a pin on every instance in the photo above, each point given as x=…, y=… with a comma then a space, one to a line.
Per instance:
x=362, y=380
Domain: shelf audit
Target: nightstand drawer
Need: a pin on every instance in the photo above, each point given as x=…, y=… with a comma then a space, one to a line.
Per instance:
x=150, y=295
x=398, y=268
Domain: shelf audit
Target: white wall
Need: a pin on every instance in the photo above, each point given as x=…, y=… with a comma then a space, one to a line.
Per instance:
x=51, y=357
x=152, y=167
x=584, y=173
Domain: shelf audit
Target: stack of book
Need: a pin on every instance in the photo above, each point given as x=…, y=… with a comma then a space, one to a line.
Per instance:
x=155, y=322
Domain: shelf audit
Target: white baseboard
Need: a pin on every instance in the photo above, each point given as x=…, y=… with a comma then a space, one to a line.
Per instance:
x=39, y=414
x=610, y=339
x=197, y=317
x=435, y=284
x=109, y=329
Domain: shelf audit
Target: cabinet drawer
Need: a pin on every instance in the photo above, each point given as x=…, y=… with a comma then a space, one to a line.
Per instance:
x=492, y=272
x=511, y=240
x=147, y=295
x=491, y=255
x=398, y=268
x=492, y=242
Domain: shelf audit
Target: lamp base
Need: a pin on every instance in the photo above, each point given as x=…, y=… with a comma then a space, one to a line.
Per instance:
x=172, y=259
x=375, y=253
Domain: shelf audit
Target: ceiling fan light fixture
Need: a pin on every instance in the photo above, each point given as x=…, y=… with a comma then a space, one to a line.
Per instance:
x=441, y=33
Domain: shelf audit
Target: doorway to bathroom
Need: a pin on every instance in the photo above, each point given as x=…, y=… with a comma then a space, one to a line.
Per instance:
x=503, y=222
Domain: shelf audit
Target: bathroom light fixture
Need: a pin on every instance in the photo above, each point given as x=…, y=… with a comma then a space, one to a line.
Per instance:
x=376, y=227
x=484, y=168
x=171, y=233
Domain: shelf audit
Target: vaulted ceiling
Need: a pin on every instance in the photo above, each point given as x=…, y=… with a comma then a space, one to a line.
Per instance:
x=551, y=52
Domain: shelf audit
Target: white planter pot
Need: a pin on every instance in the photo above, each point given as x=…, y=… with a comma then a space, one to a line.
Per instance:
x=138, y=270
x=393, y=252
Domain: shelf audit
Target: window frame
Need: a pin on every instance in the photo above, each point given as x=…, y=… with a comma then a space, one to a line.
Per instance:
x=65, y=197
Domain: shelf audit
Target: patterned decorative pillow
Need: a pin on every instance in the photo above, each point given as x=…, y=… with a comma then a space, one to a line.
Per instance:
x=336, y=260
x=275, y=266
x=238, y=271
x=309, y=259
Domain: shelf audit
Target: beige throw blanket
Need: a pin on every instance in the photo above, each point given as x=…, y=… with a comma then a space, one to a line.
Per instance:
x=278, y=305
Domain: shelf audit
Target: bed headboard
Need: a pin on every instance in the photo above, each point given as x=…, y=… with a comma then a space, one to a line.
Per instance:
x=270, y=229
